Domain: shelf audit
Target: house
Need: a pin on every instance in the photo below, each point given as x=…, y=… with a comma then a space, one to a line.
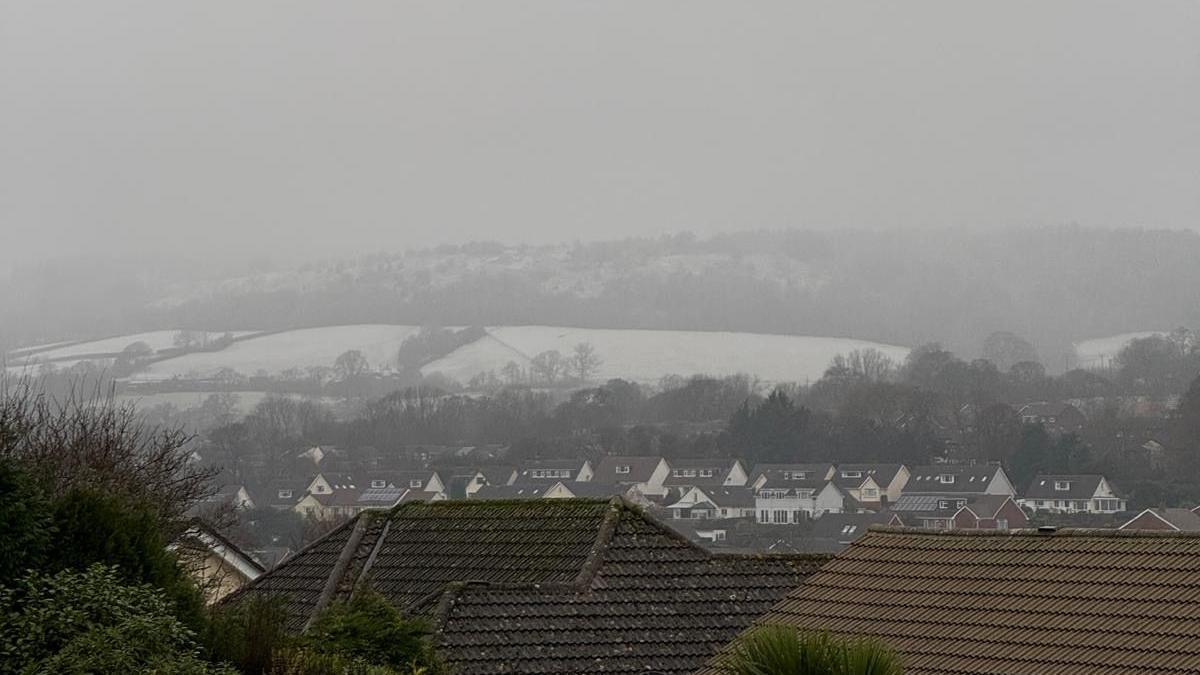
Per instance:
x=832, y=533
x=535, y=584
x=217, y=565
x=872, y=484
x=463, y=482
x=1058, y=419
x=1173, y=520
x=337, y=502
x=648, y=474
x=280, y=493
x=687, y=473
x=425, y=479
x=960, y=511
x=980, y=479
x=1068, y=602
x=587, y=489
x=227, y=498
x=515, y=491
x=553, y=470
x=797, y=501
x=773, y=473
x=1058, y=493
x=714, y=502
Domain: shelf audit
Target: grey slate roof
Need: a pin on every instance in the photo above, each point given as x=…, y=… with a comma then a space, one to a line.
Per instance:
x=1081, y=486
x=966, y=478
x=640, y=469
x=566, y=586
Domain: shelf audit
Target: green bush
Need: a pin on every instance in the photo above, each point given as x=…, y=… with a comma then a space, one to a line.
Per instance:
x=369, y=629
x=26, y=524
x=247, y=633
x=94, y=527
x=779, y=650
x=92, y=622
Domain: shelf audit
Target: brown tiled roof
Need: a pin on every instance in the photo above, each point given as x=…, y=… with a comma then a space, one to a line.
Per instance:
x=544, y=586
x=1094, y=602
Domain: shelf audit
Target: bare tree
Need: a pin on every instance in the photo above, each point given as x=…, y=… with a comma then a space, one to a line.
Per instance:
x=548, y=366
x=350, y=364
x=584, y=361
x=90, y=441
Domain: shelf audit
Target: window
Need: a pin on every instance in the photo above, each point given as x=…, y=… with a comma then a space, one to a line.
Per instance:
x=706, y=473
x=378, y=483
x=718, y=535
x=623, y=468
x=762, y=516
x=538, y=473
x=779, y=516
x=415, y=483
x=851, y=474
x=946, y=478
x=943, y=503
x=676, y=473
x=1061, y=504
x=787, y=475
x=804, y=494
x=797, y=516
x=1001, y=523
x=870, y=493
x=285, y=494
x=1062, y=485
x=849, y=529
x=689, y=473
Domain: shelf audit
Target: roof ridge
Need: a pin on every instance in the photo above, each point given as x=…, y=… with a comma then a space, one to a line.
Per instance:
x=1112, y=533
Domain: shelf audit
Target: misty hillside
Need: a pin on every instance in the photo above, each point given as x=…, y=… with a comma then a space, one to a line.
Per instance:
x=1054, y=286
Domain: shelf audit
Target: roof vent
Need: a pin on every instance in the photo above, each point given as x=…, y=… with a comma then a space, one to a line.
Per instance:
x=1047, y=529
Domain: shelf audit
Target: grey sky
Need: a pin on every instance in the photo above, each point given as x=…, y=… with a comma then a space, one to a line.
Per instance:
x=307, y=128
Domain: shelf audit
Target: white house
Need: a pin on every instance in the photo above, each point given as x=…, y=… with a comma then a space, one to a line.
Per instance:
x=721, y=502
x=647, y=474
x=713, y=472
x=872, y=484
x=978, y=479
x=795, y=504
x=1056, y=493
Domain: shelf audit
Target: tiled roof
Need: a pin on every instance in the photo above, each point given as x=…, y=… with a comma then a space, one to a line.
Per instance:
x=1180, y=519
x=514, y=491
x=1075, y=602
x=963, y=478
x=544, y=586
x=814, y=471
x=1079, y=486
x=882, y=474
x=640, y=469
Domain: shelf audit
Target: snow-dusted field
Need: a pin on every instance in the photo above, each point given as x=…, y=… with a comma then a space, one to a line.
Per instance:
x=278, y=352
x=1098, y=352
x=647, y=355
x=158, y=340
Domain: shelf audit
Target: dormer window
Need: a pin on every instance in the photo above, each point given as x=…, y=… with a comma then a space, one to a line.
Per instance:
x=851, y=474
x=1062, y=485
x=943, y=503
x=800, y=475
x=706, y=473
x=676, y=473
x=378, y=484
x=946, y=478
x=623, y=468
x=415, y=483
x=285, y=494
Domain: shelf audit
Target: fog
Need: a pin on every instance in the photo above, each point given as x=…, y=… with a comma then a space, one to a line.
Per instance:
x=284, y=130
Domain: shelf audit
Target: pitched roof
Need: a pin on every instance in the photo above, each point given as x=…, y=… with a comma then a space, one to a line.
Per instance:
x=1075, y=602
x=883, y=474
x=1183, y=520
x=817, y=470
x=966, y=478
x=1079, y=486
x=640, y=469
x=551, y=586
x=514, y=491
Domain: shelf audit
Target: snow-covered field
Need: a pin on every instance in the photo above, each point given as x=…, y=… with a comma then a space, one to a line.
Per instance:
x=648, y=355
x=157, y=340
x=1099, y=352
x=278, y=352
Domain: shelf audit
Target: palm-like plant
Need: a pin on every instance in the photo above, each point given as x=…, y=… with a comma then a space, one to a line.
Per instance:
x=779, y=650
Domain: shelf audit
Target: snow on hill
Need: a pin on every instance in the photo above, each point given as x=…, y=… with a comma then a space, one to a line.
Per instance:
x=64, y=354
x=277, y=352
x=1099, y=352
x=648, y=355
